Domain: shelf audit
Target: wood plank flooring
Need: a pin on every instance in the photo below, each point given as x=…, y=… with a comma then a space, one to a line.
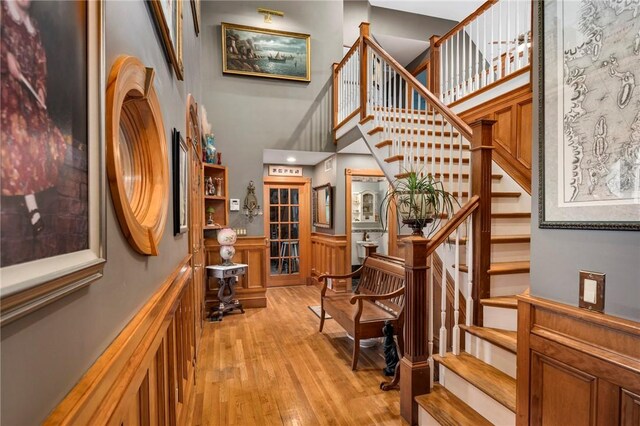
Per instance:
x=271, y=366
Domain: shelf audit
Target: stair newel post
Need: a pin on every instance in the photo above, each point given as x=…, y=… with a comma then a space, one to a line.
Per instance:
x=414, y=366
x=370, y=249
x=434, y=64
x=481, y=149
x=334, y=94
x=364, y=32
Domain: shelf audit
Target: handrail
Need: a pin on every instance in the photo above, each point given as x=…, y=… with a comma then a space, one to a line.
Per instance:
x=465, y=21
x=351, y=51
x=456, y=220
x=453, y=119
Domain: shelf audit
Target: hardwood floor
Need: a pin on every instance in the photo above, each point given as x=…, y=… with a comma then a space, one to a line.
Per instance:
x=271, y=366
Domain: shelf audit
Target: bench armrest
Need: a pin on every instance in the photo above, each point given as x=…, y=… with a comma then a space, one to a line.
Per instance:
x=374, y=297
x=323, y=279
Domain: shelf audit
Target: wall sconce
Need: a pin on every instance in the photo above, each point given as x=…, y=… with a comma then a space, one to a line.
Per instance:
x=268, y=12
x=251, y=208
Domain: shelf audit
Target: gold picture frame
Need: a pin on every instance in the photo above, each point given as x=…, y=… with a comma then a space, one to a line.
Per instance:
x=168, y=19
x=28, y=286
x=245, y=52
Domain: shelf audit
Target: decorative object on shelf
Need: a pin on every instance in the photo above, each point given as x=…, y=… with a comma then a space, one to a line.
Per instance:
x=323, y=206
x=168, y=19
x=209, y=187
x=227, y=238
x=137, y=160
x=219, y=158
x=60, y=142
x=589, y=124
x=219, y=186
x=210, y=149
x=267, y=53
x=206, y=130
x=180, y=178
x=419, y=201
x=251, y=208
x=210, y=212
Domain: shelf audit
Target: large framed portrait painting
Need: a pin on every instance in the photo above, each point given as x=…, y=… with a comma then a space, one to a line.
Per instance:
x=589, y=53
x=51, y=142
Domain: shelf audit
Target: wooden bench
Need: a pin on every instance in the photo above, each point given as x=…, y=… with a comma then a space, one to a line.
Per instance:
x=379, y=297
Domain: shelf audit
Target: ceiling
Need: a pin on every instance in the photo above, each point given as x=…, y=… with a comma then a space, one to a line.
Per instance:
x=303, y=158
x=445, y=9
x=403, y=50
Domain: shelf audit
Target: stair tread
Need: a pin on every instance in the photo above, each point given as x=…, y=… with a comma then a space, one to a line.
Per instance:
x=511, y=215
x=502, y=239
x=509, y=302
x=503, y=268
x=505, y=339
x=449, y=410
x=485, y=377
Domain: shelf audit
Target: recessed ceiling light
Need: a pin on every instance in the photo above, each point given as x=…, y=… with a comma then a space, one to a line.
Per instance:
x=291, y=159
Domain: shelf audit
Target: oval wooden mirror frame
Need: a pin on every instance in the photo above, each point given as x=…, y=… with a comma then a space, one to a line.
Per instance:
x=135, y=135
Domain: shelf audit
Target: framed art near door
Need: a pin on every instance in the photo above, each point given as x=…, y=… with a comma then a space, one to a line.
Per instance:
x=589, y=115
x=52, y=132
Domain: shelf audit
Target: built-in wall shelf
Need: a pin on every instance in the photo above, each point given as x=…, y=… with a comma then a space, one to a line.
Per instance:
x=215, y=175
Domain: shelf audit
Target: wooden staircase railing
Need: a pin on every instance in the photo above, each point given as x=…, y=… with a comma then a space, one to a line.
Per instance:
x=424, y=137
x=490, y=45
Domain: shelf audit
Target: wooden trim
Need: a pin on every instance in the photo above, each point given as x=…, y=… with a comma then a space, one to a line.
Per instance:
x=106, y=391
x=434, y=66
x=350, y=53
x=251, y=289
x=364, y=34
x=346, y=120
x=481, y=186
x=512, y=157
x=328, y=257
x=466, y=21
x=493, y=85
x=602, y=352
x=334, y=94
x=433, y=101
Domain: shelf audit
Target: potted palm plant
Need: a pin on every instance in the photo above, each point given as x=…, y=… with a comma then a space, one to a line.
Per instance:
x=419, y=200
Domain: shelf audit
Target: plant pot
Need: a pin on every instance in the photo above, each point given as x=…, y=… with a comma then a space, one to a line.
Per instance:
x=417, y=224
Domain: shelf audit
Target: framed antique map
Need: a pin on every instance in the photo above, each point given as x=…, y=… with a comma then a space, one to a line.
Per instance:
x=589, y=53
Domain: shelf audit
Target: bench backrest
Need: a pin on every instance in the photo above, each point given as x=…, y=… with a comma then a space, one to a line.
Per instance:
x=380, y=276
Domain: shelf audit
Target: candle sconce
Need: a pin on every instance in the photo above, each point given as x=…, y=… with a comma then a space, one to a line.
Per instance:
x=251, y=208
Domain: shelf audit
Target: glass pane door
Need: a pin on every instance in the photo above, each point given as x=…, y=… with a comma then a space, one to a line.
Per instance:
x=284, y=231
x=286, y=228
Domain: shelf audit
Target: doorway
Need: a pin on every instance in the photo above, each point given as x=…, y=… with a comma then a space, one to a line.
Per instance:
x=288, y=228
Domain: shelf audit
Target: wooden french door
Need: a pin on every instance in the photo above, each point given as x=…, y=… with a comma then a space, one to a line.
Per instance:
x=288, y=228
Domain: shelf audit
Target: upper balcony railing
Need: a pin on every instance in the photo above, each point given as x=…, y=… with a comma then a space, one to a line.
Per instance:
x=490, y=45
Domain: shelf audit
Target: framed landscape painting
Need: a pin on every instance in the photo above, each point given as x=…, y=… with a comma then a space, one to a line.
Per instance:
x=589, y=114
x=267, y=53
x=167, y=15
x=51, y=141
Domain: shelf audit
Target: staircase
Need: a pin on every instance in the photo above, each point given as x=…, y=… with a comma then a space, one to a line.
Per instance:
x=472, y=362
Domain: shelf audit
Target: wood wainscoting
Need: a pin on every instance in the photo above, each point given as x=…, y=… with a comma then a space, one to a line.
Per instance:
x=576, y=367
x=147, y=375
x=512, y=134
x=329, y=256
x=251, y=289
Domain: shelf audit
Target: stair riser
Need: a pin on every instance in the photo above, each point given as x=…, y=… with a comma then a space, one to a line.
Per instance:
x=496, y=356
x=501, y=226
x=488, y=407
x=506, y=319
x=510, y=252
x=508, y=285
x=425, y=419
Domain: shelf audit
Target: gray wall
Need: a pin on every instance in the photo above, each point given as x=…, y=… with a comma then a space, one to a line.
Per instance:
x=249, y=114
x=45, y=354
x=558, y=255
